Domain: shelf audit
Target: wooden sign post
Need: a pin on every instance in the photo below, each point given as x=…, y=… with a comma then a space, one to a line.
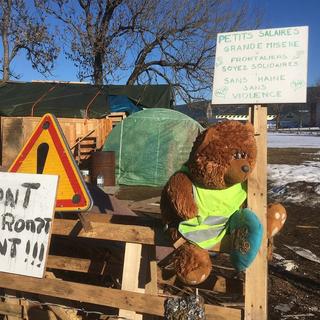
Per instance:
x=256, y=290
x=27, y=204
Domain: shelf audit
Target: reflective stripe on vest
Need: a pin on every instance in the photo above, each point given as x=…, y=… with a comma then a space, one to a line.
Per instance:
x=198, y=236
x=214, y=209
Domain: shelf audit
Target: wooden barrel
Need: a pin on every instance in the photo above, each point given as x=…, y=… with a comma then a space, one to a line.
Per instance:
x=103, y=162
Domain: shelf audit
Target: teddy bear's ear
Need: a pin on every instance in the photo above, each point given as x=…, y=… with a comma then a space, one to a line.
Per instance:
x=204, y=139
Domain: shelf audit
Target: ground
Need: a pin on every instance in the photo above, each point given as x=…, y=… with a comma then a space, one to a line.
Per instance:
x=296, y=292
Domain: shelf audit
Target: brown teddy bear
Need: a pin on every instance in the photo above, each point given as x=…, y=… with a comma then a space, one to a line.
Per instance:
x=202, y=203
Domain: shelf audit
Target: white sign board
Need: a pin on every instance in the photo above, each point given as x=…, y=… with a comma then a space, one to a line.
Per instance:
x=27, y=203
x=261, y=66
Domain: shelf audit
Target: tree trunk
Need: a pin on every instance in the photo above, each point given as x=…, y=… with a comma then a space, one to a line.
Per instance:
x=5, y=43
x=98, y=69
x=5, y=64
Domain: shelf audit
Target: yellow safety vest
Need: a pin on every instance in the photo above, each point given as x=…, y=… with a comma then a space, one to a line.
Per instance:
x=214, y=210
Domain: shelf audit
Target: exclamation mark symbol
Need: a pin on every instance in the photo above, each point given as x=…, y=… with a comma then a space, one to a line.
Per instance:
x=42, y=153
x=34, y=252
x=41, y=255
x=27, y=250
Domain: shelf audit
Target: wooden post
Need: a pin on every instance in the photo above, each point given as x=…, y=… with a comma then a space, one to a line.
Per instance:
x=257, y=274
x=130, y=275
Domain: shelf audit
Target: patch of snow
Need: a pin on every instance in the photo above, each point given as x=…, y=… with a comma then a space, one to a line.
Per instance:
x=305, y=253
x=281, y=174
x=283, y=307
x=284, y=140
x=288, y=265
x=295, y=183
x=298, y=316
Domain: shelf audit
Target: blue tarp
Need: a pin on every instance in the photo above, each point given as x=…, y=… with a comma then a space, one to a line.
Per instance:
x=121, y=103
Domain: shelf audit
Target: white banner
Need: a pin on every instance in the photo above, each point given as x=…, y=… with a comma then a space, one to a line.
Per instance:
x=27, y=203
x=261, y=66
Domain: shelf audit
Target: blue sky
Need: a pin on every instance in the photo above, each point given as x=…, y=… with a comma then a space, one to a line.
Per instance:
x=294, y=13
x=277, y=13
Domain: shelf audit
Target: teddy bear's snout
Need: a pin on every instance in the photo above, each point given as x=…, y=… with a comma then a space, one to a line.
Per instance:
x=237, y=172
x=245, y=168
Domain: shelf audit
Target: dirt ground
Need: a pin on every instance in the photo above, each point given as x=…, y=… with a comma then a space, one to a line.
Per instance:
x=296, y=292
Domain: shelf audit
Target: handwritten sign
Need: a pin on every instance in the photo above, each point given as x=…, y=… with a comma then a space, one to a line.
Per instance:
x=27, y=203
x=261, y=66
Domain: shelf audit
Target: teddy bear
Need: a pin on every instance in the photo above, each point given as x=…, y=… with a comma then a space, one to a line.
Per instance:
x=203, y=203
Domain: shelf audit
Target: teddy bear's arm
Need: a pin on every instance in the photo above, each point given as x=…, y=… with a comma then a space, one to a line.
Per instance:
x=178, y=198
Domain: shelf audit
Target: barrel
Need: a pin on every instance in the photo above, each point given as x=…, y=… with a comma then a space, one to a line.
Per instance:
x=103, y=162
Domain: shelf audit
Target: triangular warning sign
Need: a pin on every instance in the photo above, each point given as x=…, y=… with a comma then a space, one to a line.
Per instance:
x=47, y=152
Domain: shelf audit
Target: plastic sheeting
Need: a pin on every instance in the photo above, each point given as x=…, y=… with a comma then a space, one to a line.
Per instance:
x=70, y=100
x=151, y=145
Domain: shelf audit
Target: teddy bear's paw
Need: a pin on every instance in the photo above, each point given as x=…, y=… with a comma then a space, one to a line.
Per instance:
x=276, y=217
x=192, y=264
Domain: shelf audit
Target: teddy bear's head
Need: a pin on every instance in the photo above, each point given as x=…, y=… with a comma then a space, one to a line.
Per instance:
x=223, y=155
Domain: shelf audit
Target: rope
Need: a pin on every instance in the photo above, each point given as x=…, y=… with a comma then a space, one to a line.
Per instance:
x=41, y=98
x=90, y=103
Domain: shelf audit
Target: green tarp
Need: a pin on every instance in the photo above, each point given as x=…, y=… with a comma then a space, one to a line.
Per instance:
x=150, y=145
x=70, y=100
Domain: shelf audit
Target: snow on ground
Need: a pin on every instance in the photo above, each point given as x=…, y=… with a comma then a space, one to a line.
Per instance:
x=299, y=184
x=281, y=174
x=295, y=184
x=286, y=140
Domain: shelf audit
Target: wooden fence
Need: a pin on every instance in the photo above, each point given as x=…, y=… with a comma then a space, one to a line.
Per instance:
x=15, y=131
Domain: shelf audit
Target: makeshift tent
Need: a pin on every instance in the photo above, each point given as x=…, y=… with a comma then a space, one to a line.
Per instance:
x=150, y=145
x=76, y=100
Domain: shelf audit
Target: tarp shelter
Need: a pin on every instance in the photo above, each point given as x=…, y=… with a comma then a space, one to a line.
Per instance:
x=76, y=100
x=151, y=145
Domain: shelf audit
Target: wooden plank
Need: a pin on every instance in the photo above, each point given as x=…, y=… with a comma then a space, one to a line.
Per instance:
x=86, y=224
x=256, y=275
x=12, y=309
x=152, y=285
x=104, y=229
x=139, y=302
x=70, y=264
x=9, y=309
x=11, y=139
x=130, y=275
x=63, y=314
x=110, y=231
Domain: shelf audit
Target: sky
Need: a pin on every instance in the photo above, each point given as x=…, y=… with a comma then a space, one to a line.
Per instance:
x=296, y=13
x=277, y=13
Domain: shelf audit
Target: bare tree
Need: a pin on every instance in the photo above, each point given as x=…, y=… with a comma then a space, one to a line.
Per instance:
x=177, y=39
x=20, y=29
x=147, y=41
x=91, y=32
